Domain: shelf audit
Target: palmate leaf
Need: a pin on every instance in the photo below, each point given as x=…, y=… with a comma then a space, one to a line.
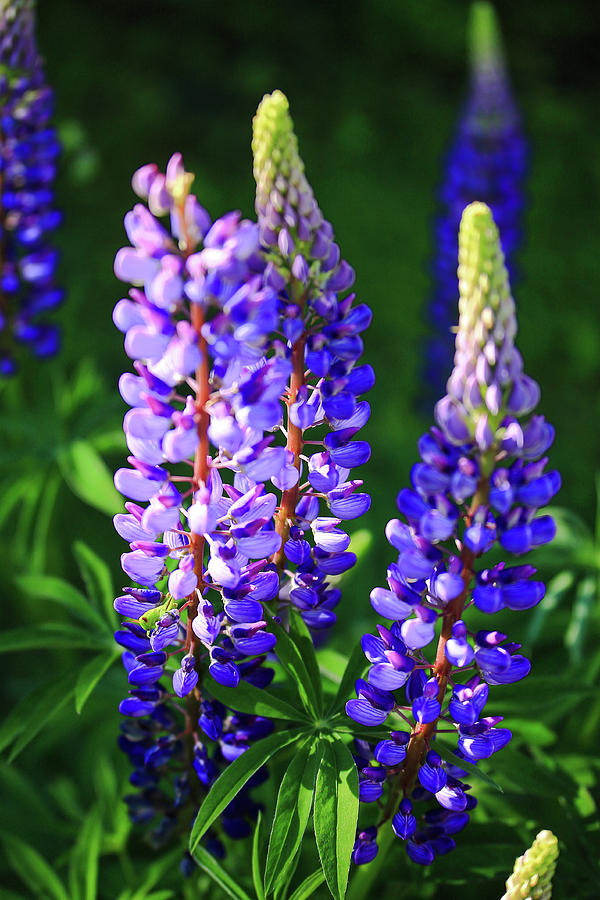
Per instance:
x=309, y=886
x=257, y=879
x=294, y=803
x=89, y=477
x=258, y=702
x=235, y=776
x=354, y=669
x=209, y=864
x=292, y=661
x=48, y=587
x=97, y=579
x=336, y=814
x=33, y=712
x=90, y=675
x=33, y=869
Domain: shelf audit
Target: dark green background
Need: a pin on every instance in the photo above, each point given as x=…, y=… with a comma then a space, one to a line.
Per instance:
x=375, y=89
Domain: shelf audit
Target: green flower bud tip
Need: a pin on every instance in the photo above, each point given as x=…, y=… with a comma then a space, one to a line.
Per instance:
x=485, y=41
x=532, y=875
x=274, y=144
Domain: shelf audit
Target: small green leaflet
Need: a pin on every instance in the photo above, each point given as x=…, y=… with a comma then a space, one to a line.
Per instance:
x=234, y=777
x=33, y=712
x=258, y=702
x=33, y=869
x=209, y=864
x=294, y=803
x=257, y=852
x=303, y=640
x=90, y=675
x=89, y=478
x=355, y=669
x=309, y=886
x=48, y=587
x=336, y=814
x=292, y=661
x=96, y=576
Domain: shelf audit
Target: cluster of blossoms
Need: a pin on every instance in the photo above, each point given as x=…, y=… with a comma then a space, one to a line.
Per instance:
x=240, y=333
x=486, y=162
x=479, y=485
x=28, y=152
x=533, y=872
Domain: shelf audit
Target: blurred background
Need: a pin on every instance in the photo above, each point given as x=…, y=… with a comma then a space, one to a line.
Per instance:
x=375, y=90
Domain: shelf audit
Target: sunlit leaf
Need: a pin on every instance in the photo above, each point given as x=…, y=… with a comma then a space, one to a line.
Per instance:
x=336, y=813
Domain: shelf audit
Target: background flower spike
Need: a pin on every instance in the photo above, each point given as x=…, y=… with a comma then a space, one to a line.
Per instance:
x=28, y=151
x=487, y=162
x=533, y=872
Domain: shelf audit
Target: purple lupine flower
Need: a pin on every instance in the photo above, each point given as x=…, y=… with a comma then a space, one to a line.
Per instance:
x=480, y=484
x=28, y=151
x=237, y=332
x=487, y=162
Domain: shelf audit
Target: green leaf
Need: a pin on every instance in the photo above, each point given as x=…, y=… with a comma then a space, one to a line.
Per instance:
x=98, y=581
x=89, y=478
x=447, y=754
x=43, y=522
x=235, y=776
x=33, y=868
x=294, y=803
x=336, y=814
x=309, y=886
x=555, y=592
x=90, y=675
x=87, y=853
x=582, y=609
x=209, y=864
x=48, y=635
x=33, y=712
x=257, y=879
x=303, y=640
x=291, y=659
x=48, y=587
x=249, y=699
x=355, y=669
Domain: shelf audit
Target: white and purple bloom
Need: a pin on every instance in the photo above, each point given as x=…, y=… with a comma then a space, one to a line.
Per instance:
x=239, y=332
x=480, y=484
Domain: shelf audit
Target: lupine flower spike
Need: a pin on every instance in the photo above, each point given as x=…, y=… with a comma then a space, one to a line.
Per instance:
x=532, y=875
x=225, y=323
x=487, y=162
x=28, y=152
x=479, y=485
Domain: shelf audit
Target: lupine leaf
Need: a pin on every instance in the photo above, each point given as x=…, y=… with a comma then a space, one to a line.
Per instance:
x=87, y=853
x=43, y=522
x=90, y=675
x=291, y=659
x=294, y=803
x=89, y=478
x=582, y=609
x=304, y=642
x=33, y=712
x=48, y=587
x=307, y=888
x=354, y=669
x=555, y=591
x=336, y=814
x=98, y=581
x=257, y=879
x=33, y=868
x=447, y=754
x=234, y=777
x=48, y=635
x=156, y=870
x=249, y=699
x=209, y=864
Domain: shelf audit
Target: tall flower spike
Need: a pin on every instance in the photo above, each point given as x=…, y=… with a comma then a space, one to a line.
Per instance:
x=533, y=872
x=226, y=333
x=486, y=162
x=28, y=151
x=480, y=483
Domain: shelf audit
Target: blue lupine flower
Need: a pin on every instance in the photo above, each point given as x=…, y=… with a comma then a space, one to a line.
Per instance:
x=237, y=331
x=28, y=151
x=487, y=162
x=480, y=484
